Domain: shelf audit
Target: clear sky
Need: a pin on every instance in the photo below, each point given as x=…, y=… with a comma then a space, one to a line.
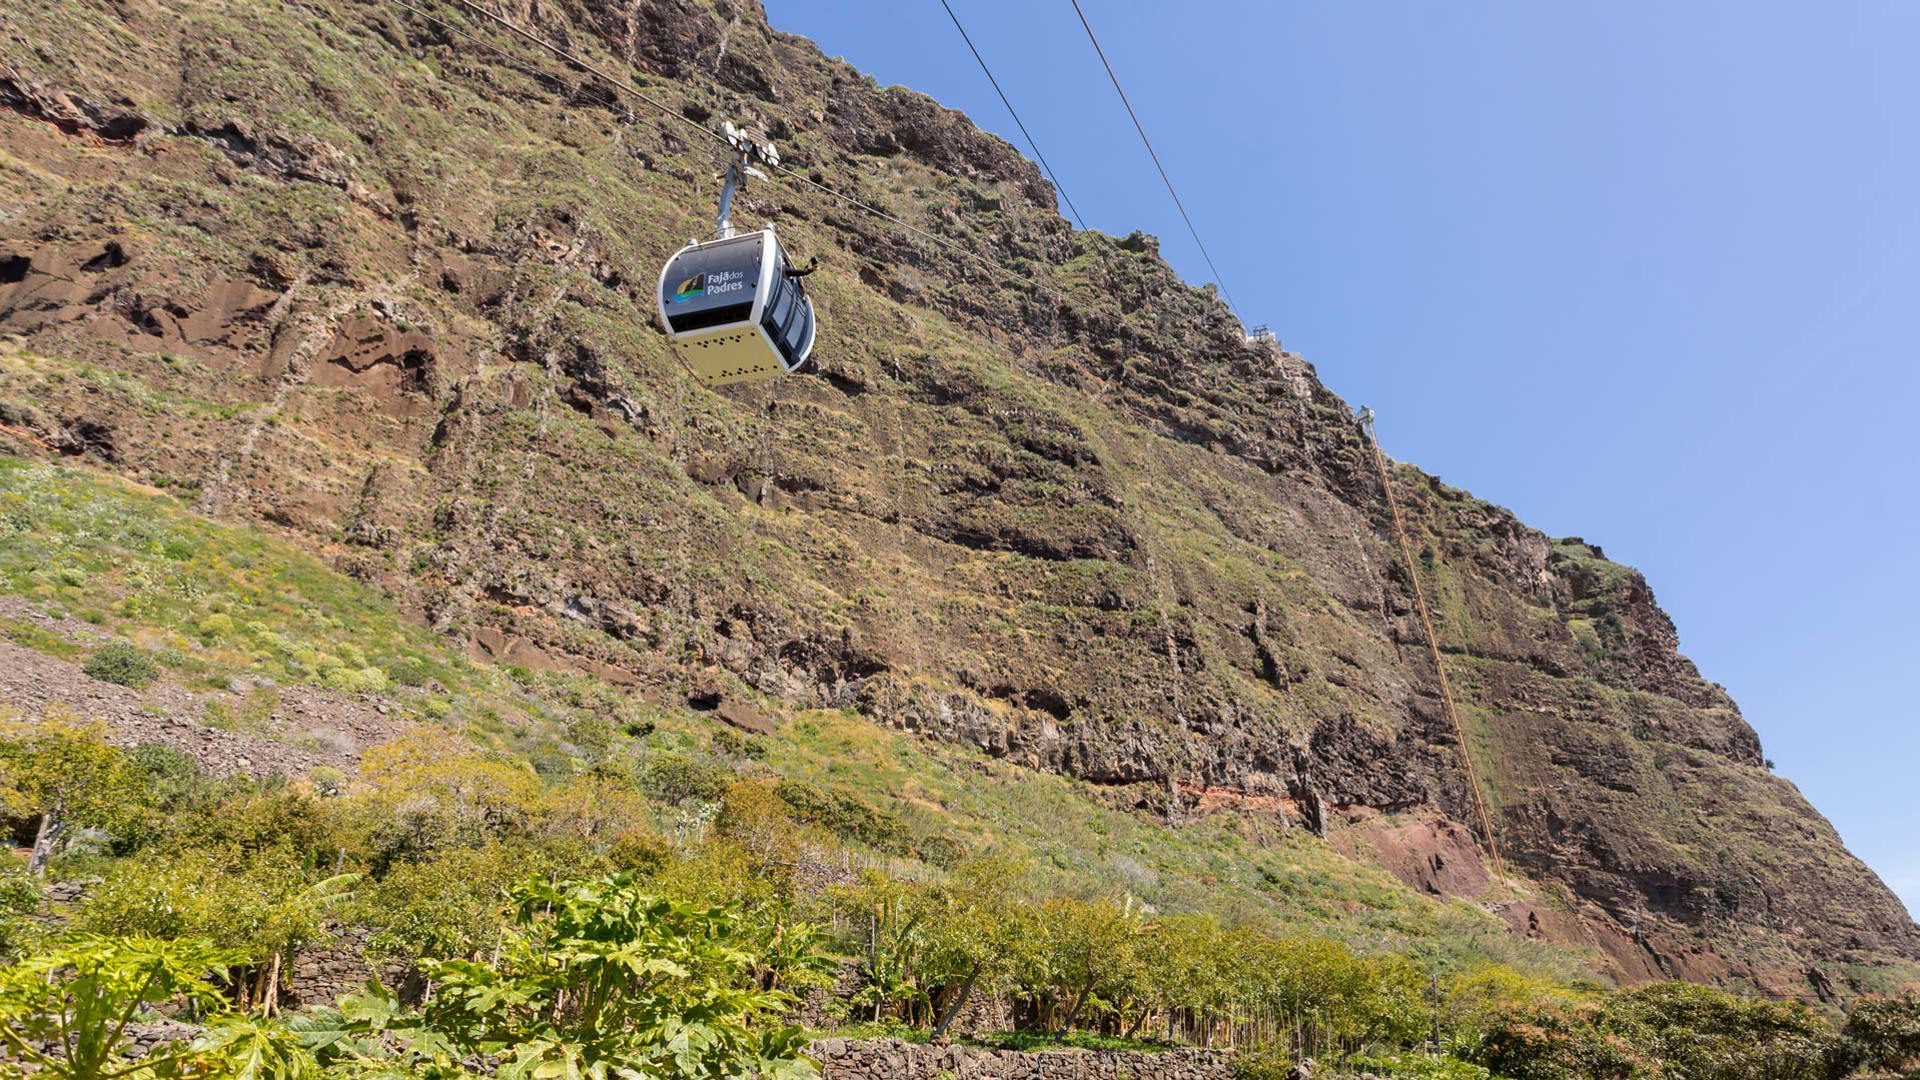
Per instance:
x=1645, y=272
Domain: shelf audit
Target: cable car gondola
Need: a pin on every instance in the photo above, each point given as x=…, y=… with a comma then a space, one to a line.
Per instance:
x=735, y=305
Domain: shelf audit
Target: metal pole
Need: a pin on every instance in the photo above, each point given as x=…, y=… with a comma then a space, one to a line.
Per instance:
x=723, y=222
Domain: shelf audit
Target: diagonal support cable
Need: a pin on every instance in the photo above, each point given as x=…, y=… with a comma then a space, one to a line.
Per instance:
x=1148, y=143
x=1011, y=111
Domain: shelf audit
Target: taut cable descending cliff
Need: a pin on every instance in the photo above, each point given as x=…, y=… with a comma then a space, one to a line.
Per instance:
x=330, y=266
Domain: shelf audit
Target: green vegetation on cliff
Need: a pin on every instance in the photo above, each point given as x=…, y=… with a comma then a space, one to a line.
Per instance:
x=1069, y=574
x=931, y=873
x=155, y=574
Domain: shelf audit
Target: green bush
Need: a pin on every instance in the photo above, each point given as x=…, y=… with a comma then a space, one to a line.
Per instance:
x=1559, y=1041
x=591, y=735
x=352, y=680
x=1697, y=1031
x=450, y=907
x=597, y=978
x=171, y=786
x=327, y=780
x=1885, y=1032
x=844, y=813
x=674, y=778
x=941, y=850
x=1666, y=1029
x=640, y=850
x=407, y=671
x=19, y=899
x=735, y=745
x=122, y=663
x=1269, y=1061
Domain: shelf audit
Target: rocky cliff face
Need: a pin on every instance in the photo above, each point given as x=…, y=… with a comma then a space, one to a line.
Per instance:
x=338, y=268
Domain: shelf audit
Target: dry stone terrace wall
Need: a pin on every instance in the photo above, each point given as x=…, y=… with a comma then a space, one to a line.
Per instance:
x=324, y=974
x=896, y=1059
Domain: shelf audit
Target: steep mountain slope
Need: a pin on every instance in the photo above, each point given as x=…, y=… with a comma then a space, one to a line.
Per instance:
x=333, y=267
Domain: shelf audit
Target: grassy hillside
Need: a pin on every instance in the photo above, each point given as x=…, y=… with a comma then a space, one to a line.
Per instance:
x=229, y=613
x=337, y=271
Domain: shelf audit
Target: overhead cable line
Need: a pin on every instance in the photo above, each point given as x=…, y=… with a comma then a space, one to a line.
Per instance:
x=1115, y=79
x=1011, y=111
x=626, y=86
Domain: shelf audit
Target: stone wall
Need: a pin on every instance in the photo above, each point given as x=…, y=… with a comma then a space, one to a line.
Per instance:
x=896, y=1059
x=322, y=974
x=825, y=1007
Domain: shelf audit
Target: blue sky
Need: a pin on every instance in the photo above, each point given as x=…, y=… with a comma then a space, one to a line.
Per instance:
x=1644, y=272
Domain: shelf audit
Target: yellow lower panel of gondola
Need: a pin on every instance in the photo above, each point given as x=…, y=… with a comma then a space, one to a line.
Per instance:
x=731, y=354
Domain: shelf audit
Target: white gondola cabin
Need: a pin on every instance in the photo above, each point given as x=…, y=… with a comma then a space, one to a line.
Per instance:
x=734, y=305
x=737, y=309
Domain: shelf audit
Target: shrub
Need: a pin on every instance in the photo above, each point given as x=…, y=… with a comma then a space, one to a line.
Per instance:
x=941, y=850
x=591, y=735
x=1697, y=1031
x=754, y=817
x=172, y=775
x=123, y=664
x=1690, y=1031
x=739, y=747
x=1886, y=1032
x=172, y=786
x=597, y=978
x=407, y=671
x=262, y=909
x=216, y=625
x=1269, y=1061
x=365, y=680
x=1479, y=993
x=327, y=780
x=675, y=778
x=449, y=907
x=19, y=899
x=1558, y=1041
x=844, y=813
x=66, y=775
x=640, y=850
x=1418, y=1067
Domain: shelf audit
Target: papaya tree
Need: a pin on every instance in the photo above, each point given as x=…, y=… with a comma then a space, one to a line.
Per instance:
x=66, y=1010
x=597, y=978
x=972, y=931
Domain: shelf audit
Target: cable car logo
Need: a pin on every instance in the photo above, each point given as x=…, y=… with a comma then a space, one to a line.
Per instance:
x=710, y=283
